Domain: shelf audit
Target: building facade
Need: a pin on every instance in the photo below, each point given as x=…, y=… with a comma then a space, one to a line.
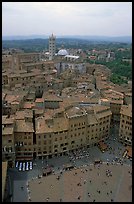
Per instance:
x=24, y=135
x=8, y=147
x=125, y=131
x=74, y=128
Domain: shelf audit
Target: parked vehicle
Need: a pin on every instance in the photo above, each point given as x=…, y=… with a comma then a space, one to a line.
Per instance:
x=17, y=164
x=20, y=166
x=24, y=166
x=27, y=166
x=31, y=165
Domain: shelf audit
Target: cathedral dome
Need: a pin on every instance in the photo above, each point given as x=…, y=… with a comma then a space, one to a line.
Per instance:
x=62, y=52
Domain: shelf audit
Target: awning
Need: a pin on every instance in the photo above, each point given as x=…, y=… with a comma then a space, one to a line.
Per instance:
x=103, y=146
x=129, y=151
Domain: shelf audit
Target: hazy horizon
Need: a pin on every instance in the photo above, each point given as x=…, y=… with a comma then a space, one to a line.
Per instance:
x=67, y=35
x=110, y=19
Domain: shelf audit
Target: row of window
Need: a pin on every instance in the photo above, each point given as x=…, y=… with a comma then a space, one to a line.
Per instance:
x=93, y=130
x=45, y=152
x=79, y=124
x=124, y=121
x=45, y=136
x=126, y=138
x=101, y=123
x=27, y=137
x=56, y=145
x=128, y=117
x=24, y=149
x=56, y=151
x=126, y=133
x=104, y=118
x=129, y=123
x=45, y=142
x=7, y=149
x=25, y=153
x=77, y=134
x=61, y=145
x=61, y=132
x=77, y=129
x=82, y=133
x=49, y=151
x=14, y=79
x=49, y=147
x=126, y=127
x=97, y=136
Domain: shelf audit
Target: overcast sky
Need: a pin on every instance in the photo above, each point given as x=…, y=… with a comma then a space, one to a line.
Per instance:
x=67, y=18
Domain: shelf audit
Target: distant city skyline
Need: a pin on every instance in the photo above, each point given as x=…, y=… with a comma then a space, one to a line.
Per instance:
x=67, y=18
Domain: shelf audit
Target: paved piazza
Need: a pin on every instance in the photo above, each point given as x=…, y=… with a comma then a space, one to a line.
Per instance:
x=80, y=184
x=89, y=183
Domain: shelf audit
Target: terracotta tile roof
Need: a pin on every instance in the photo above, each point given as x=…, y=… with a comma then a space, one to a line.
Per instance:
x=52, y=97
x=55, y=124
x=39, y=100
x=7, y=131
x=24, y=113
x=75, y=111
x=6, y=120
x=22, y=126
x=29, y=105
x=126, y=110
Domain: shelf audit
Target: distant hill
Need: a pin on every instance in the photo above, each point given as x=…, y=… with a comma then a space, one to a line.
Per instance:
x=123, y=39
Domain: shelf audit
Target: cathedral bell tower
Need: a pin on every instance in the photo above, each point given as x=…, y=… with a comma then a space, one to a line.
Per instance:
x=52, y=47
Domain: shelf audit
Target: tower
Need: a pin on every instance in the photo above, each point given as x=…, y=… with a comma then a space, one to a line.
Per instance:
x=52, y=47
